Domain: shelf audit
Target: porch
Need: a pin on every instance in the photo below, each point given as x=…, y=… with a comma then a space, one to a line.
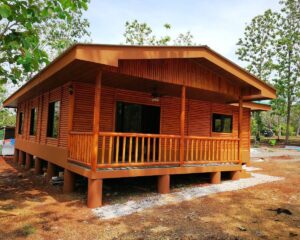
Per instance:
x=119, y=150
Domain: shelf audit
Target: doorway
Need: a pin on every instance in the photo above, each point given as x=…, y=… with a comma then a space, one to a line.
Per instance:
x=137, y=118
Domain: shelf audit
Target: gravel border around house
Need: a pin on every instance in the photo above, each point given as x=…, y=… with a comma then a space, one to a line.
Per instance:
x=189, y=193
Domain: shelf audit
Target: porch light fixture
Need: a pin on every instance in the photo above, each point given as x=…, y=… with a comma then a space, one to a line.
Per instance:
x=155, y=95
x=70, y=89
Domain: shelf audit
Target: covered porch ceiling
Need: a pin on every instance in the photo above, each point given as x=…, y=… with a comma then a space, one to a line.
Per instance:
x=82, y=62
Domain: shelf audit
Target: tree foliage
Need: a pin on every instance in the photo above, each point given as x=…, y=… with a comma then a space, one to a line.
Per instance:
x=31, y=30
x=137, y=33
x=271, y=48
x=7, y=116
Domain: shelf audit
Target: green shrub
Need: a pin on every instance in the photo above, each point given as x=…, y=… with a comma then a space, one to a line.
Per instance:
x=272, y=142
x=28, y=229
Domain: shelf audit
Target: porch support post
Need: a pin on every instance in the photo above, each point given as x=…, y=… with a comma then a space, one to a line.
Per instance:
x=96, y=120
x=235, y=175
x=51, y=170
x=27, y=161
x=69, y=181
x=21, y=158
x=16, y=155
x=215, y=177
x=70, y=112
x=182, y=124
x=240, y=128
x=163, y=184
x=94, y=198
x=37, y=165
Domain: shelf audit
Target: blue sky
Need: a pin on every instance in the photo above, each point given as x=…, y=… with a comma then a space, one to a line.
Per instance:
x=216, y=23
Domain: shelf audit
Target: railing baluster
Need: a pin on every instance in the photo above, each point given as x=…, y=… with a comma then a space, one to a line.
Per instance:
x=142, y=153
x=117, y=149
x=124, y=149
x=136, y=148
x=103, y=150
x=154, y=150
x=159, y=149
x=148, y=149
x=170, y=150
x=165, y=149
x=130, y=149
x=110, y=149
x=175, y=149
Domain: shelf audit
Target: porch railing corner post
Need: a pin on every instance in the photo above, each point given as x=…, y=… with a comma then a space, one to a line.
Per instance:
x=96, y=120
x=240, y=129
x=182, y=123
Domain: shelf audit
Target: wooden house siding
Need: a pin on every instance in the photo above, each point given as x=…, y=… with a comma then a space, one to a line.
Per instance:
x=41, y=102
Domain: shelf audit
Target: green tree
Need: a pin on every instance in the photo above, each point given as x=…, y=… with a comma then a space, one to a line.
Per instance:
x=287, y=57
x=137, y=33
x=31, y=29
x=7, y=116
x=271, y=48
x=256, y=49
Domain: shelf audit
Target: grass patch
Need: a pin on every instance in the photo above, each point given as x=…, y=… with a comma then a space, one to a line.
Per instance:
x=28, y=229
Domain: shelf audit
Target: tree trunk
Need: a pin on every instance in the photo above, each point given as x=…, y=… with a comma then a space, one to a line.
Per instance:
x=288, y=118
x=298, y=128
x=279, y=127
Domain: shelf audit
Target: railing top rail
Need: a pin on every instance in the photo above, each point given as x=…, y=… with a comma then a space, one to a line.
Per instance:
x=137, y=135
x=211, y=138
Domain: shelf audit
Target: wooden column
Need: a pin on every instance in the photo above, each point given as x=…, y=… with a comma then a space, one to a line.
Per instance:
x=51, y=171
x=215, y=177
x=96, y=120
x=94, y=198
x=21, y=158
x=69, y=181
x=70, y=112
x=27, y=161
x=163, y=184
x=38, y=166
x=235, y=175
x=240, y=129
x=182, y=124
x=16, y=156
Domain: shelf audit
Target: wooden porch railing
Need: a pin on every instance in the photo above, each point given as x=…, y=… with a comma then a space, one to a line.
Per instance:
x=136, y=149
x=211, y=149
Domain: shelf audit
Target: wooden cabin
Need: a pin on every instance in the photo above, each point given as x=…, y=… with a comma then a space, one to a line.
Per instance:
x=108, y=111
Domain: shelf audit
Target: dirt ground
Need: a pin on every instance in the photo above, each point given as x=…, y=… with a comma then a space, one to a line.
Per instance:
x=30, y=208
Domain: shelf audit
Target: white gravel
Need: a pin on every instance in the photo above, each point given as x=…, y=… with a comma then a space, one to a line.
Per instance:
x=119, y=210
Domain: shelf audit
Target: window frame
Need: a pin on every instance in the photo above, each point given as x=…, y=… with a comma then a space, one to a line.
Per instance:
x=51, y=120
x=33, y=121
x=21, y=123
x=222, y=117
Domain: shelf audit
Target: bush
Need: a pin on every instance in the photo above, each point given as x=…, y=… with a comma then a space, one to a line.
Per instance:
x=28, y=229
x=272, y=142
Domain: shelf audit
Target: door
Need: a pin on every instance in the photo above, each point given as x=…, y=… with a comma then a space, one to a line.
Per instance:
x=137, y=118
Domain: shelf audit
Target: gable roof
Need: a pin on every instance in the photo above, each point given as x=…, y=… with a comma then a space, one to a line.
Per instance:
x=111, y=54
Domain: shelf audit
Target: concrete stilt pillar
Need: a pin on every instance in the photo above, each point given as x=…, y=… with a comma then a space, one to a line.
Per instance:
x=235, y=175
x=163, y=184
x=38, y=166
x=51, y=171
x=27, y=161
x=21, y=159
x=16, y=156
x=69, y=181
x=215, y=177
x=94, y=198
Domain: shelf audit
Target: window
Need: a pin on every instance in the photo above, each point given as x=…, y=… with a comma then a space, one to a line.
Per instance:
x=21, y=117
x=33, y=121
x=53, y=119
x=222, y=123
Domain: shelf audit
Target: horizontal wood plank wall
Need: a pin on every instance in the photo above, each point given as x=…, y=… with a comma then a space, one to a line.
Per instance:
x=179, y=71
x=41, y=103
x=198, y=113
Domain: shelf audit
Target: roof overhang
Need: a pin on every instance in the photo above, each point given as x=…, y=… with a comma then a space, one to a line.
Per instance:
x=111, y=55
x=255, y=106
